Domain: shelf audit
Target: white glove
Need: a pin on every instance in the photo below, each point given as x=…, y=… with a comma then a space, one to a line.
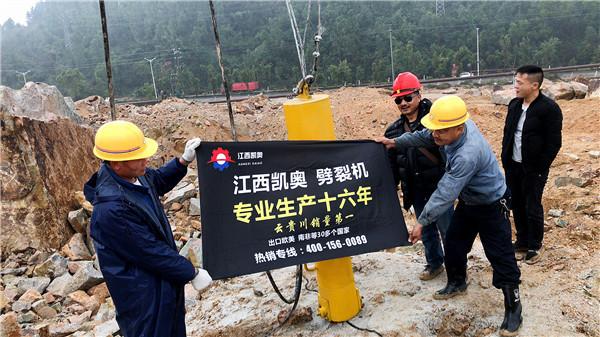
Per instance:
x=189, y=154
x=202, y=280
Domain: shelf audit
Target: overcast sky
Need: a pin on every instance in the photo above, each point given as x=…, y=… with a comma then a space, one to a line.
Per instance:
x=15, y=9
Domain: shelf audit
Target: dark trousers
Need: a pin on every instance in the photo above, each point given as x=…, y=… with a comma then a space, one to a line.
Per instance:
x=527, y=189
x=495, y=234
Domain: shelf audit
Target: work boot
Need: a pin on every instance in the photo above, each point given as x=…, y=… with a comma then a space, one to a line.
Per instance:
x=534, y=255
x=520, y=247
x=430, y=273
x=452, y=289
x=513, y=320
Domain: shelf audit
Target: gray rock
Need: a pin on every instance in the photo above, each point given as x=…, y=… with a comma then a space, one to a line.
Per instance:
x=13, y=271
x=555, y=212
x=57, y=286
x=105, y=313
x=564, y=181
x=180, y=195
x=39, y=101
x=57, y=307
x=581, y=207
x=560, y=223
x=78, y=220
x=580, y=89
x=20, y=306
x=558, y=90
x=55, y=266
x=593, y=88
x=594, y=154
x=194, y=206
x=69, y=102
x=37, y=283
x=36, y=306
x=86, y=277
x=193, y=247
x=27, y=317
x=106, y=329
x=503, y=97
x=62, y=329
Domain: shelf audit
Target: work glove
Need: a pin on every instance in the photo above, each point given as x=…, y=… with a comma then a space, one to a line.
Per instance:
x=202, y=279
x=189, y=154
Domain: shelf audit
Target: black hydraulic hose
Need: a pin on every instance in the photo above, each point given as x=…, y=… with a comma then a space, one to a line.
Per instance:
x=277, y=289
x=296, y=296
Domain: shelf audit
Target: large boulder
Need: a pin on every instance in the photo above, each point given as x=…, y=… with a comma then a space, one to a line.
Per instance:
x=558, y=90
x=503, y=97
x=593, y=88
x=39, y=101
x=579, y=89
x=43, y=162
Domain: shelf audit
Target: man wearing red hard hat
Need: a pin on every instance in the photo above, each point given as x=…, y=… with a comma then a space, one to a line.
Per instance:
x=418, y=169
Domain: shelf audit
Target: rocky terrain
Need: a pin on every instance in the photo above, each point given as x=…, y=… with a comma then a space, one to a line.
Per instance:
x=51, y=285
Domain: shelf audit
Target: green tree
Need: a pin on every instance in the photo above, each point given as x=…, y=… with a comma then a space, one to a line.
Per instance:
x=72, y=83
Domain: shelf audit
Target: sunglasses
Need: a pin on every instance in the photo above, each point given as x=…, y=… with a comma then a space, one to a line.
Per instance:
x=407, y=98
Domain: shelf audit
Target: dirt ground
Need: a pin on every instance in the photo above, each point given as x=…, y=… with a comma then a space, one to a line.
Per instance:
x=560, y=294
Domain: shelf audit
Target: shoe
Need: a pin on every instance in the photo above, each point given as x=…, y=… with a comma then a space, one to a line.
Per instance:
x=520, y=247
x=513, y=318
x=452, y=290
x=534, y=256
x=430, y=273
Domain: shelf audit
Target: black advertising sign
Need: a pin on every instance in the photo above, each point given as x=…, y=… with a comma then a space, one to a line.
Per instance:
x=268, y=205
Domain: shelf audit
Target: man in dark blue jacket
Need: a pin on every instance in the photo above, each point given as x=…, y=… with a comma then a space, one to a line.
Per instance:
x=532, y=139
x=143, y=270
x=418, y=169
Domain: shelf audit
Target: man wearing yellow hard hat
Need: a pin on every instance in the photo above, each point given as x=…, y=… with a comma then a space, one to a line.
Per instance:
x=474, y=177
x=143, y=270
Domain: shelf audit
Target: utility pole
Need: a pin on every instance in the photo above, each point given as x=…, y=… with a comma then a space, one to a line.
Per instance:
x=111, y=94
x=221, y=64
x=391, y=53
x=152, y=71
x=477, y=51
x=25, y=73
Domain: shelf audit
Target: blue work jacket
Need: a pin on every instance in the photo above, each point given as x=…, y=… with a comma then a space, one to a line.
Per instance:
x=472, y=171
x=138, y=258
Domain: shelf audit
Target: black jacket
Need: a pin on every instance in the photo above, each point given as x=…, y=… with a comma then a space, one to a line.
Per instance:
x=409, y=165
x=541, y=139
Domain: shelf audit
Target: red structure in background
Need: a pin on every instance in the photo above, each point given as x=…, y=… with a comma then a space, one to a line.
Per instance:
x=242, y=86
x=239, y=87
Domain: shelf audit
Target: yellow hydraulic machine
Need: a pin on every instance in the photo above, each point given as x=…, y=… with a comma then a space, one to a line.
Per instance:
x=309, y=118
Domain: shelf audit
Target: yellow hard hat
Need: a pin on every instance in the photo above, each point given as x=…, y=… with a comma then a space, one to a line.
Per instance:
x=446, y=112
x=122, y=141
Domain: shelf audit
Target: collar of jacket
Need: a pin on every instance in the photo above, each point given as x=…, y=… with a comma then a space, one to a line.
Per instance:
x=536, y=100
x=129, y=194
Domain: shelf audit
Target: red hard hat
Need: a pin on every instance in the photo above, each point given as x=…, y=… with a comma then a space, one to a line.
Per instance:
x=406, y=83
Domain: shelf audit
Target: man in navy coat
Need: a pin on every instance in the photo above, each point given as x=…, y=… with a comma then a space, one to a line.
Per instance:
x=143, y=270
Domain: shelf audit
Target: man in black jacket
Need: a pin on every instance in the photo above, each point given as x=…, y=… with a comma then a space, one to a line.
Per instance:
x=532, y=139
x=418, y=169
